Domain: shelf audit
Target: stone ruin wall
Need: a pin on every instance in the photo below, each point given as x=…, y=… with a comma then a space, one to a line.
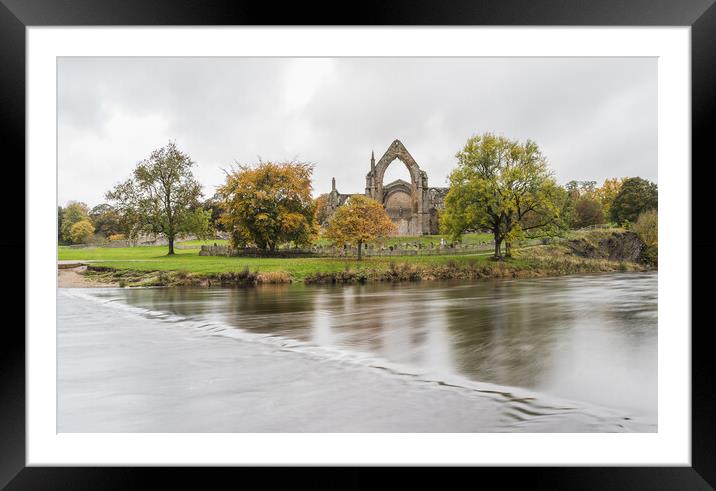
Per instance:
x=412, y=206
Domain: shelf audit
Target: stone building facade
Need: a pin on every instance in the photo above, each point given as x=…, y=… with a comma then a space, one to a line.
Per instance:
x=413, y=206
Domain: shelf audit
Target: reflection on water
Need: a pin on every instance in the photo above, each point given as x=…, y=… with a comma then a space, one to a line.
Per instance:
x=589, y=338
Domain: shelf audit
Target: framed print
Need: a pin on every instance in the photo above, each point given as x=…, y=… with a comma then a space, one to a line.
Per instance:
x=426, y=236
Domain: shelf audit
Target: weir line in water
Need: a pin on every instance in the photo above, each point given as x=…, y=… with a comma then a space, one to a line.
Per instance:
x=522, y=406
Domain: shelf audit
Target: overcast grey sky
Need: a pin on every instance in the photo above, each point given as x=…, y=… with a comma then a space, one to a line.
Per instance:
x=593, y=118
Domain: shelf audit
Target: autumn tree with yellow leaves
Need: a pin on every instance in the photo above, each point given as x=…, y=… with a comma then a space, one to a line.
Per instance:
x=359, y=221
x=607, y=193
x=322, y=210
x=269, y=204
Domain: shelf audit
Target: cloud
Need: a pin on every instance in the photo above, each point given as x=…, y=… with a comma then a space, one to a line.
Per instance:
x=594, y=118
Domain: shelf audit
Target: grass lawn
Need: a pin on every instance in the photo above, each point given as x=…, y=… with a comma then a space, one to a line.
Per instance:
x=184, y=250
x=155, y=259
x=120, y=253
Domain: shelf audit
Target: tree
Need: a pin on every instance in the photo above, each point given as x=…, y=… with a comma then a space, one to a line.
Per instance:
x=587, y=211
x=647, y=227
x=74, y=212
x=581, y=188
x=106, y=220
x=161, y=197
x=82, y=232
x=606, y=194
x=360, y=220
x=635, y=196
x=214, y=206
x=322, y=212
x=199, y=222
x=269, y=204
x=504, y=186
x=582, y=194
x=60, y=214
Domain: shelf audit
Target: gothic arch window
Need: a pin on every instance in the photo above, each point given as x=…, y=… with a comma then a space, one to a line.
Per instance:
x=397, y=151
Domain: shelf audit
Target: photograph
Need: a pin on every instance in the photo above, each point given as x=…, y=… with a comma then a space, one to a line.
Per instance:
x=423, y=234
x=357, y=244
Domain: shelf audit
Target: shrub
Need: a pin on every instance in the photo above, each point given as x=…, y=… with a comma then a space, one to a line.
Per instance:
x=650, y=255
x=235, y=278
x=647, y=227
x=274, y=277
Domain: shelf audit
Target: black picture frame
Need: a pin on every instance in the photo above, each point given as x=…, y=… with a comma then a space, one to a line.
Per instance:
x=700, y=15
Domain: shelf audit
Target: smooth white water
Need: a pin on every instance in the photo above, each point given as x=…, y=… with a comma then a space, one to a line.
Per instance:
x=560, y=354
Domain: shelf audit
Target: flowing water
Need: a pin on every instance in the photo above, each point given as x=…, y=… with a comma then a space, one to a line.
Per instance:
x=576, y=353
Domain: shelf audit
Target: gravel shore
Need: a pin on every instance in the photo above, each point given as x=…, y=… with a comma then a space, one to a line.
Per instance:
x=75, y=278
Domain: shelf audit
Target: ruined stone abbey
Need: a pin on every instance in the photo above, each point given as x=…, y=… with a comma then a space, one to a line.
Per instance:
x=413, y=206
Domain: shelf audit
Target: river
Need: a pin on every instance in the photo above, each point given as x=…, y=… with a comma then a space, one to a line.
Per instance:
x=566, y=354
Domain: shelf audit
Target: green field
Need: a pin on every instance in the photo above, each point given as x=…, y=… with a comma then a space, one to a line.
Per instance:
x=187, y=258
x=190, y=247
x=154, y=258
x=151, y=266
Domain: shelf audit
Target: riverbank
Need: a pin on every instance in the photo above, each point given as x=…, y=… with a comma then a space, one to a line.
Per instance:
x=596, y=252
x=77, y=277
x=533, y=262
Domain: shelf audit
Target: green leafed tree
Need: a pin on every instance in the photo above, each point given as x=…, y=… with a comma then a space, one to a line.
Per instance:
x=106, y=220
x=161, y=198
x=199, y=222
x=581, y=188
x=74, y=212
x=635, y=196
x=60, y=214
x=214, y=206
x=503, y=186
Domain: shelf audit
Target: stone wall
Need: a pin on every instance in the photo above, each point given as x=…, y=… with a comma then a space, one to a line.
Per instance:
x=225, y=250
x=406, y=249
x=144, y=240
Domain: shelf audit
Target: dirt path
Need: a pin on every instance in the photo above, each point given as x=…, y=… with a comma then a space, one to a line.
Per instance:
x=74, y=278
